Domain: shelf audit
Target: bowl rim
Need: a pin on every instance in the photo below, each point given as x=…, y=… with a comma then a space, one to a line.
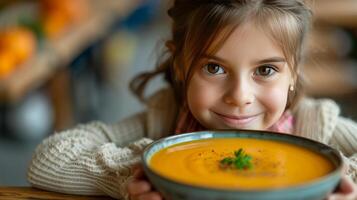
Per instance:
x=336, y=172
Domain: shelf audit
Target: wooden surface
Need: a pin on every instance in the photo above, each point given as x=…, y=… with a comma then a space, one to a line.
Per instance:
x=27, y=193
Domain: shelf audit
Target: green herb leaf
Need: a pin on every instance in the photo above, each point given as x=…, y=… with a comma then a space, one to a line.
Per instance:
x=240, y=161
x=227, y=161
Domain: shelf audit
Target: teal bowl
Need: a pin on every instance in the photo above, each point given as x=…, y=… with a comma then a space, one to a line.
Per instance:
x=314, y=190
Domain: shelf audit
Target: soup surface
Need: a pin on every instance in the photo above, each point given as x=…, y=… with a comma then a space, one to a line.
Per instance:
x=275, y=164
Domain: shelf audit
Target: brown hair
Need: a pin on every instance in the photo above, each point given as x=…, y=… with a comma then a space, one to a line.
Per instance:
x=201, y=27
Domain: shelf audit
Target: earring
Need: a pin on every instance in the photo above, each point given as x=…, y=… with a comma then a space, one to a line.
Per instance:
x=291, y=88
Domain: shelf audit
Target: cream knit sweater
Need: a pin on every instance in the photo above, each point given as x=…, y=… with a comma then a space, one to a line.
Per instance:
x=95, y=158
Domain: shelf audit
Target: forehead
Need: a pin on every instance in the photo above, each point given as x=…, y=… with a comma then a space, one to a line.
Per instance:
x=249, y=40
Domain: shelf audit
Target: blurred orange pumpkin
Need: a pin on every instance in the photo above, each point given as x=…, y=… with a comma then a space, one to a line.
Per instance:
x=7, y=64
x=54, y=24
x=17, y=44
x=21, y=42
x=58, y=15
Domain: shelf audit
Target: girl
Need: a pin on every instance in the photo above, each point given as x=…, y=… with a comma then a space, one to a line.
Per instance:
x=229, y=64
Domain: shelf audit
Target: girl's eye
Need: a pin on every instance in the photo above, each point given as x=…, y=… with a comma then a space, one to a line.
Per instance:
x=213, y=68
x=265, y=71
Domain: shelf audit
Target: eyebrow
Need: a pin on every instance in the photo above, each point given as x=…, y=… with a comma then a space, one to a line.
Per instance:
x=270, y=60
x=266, y=60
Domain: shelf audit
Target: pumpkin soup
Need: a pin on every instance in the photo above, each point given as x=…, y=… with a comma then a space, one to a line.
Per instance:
x=274, y=164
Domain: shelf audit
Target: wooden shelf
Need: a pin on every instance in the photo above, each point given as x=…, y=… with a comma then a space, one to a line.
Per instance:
x=335, y=12
x=60, y=52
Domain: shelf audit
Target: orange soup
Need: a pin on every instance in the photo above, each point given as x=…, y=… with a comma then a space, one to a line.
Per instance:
x=274, y=164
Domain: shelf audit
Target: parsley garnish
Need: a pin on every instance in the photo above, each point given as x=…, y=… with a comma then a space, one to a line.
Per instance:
x=240, y=161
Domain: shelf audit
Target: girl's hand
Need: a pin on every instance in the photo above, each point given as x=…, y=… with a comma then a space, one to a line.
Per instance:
x=139, y=188
x=346, y=191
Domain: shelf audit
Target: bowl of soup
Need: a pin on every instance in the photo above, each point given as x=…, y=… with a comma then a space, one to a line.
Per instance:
x=244, y=165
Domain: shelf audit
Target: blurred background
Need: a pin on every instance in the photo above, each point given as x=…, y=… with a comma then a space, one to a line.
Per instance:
x=64, y=62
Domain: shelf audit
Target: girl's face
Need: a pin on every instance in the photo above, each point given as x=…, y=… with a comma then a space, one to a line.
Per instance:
x=243, y=86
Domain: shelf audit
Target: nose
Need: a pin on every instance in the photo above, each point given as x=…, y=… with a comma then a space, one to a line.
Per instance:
x=240, y=93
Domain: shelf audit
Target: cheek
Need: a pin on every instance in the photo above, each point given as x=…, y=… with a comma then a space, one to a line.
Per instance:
x=200, y=95
x=275, y=100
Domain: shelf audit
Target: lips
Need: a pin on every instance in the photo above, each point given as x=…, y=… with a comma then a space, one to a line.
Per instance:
x=237, y=121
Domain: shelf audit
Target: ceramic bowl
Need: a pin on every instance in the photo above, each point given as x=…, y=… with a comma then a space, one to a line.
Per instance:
x=313, y=190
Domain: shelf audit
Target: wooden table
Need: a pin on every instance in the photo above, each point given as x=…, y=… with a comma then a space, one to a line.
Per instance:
x=28, y=193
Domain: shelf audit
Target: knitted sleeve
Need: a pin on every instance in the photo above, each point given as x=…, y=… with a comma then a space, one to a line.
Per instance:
x=90, y=159
x=345, y=139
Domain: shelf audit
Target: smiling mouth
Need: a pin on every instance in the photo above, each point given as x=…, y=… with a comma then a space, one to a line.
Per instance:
x=235, y=121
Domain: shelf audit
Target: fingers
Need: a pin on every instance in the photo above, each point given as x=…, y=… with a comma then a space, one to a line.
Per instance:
x=136, y=187
x=138, y=171
x=347, y=190
x=147, y=196
x=136, y=166
x=139, y=188
x=347, y=185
